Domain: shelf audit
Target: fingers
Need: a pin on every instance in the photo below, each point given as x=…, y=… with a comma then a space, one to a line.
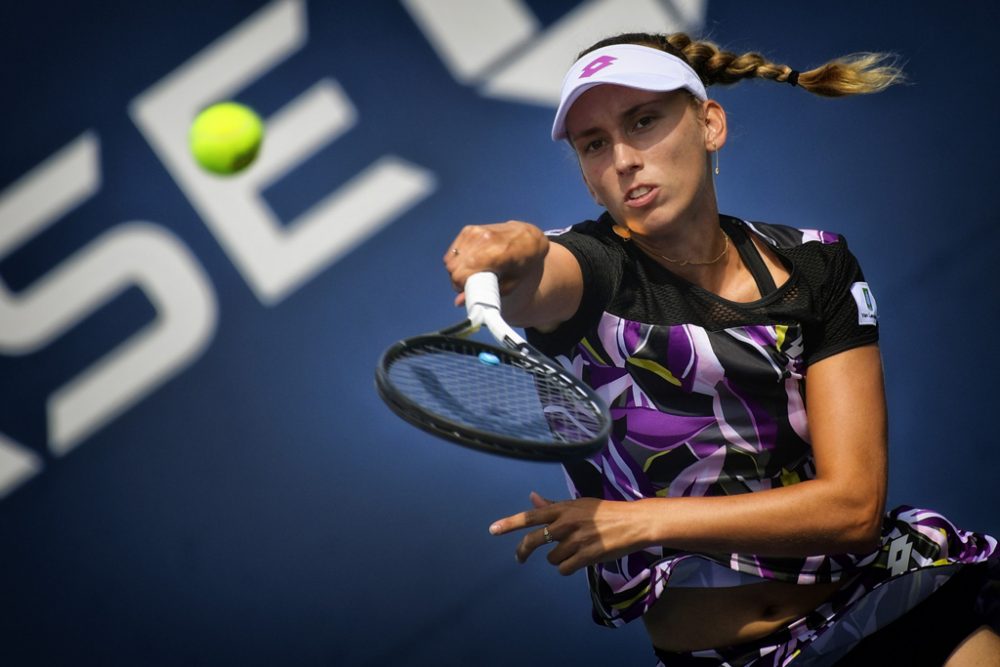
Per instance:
x=577, y=531
x=519, y=521
x=565, y=556
x=505, y=248
x=540, y=538
x=542, y=515
x=527, y=546
x=545, y=512
x=454, y=268
x=546, y=515
x=469, y=253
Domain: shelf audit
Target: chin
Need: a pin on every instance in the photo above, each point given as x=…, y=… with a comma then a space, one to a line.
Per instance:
x=650, y=221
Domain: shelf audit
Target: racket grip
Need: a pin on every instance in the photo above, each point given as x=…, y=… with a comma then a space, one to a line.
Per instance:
x=482, y=292
x=482, y=303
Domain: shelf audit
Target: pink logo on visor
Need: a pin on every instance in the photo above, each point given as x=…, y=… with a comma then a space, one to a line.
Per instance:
x=596, y=65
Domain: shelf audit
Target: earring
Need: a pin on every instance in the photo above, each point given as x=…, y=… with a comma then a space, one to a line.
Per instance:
x=715, y=157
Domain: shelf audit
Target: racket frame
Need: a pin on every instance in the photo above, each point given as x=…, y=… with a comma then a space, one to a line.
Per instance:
x=482, y=300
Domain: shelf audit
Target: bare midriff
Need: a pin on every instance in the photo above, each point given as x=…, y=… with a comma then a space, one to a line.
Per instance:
x=690, y=619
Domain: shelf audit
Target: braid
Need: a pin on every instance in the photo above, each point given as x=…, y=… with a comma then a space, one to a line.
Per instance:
x=850, y=75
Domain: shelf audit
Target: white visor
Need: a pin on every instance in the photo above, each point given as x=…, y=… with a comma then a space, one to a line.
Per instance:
x=628, y=65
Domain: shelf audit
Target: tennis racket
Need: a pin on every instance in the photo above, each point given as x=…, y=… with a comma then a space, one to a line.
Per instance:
x=510, y=400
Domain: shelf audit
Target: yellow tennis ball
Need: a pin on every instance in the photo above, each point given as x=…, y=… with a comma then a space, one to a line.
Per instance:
x=226, y=137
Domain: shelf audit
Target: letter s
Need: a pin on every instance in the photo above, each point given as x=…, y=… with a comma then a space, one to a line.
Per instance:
x=136, y=254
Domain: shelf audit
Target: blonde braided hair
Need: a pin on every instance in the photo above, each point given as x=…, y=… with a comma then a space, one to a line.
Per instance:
x=853, y=74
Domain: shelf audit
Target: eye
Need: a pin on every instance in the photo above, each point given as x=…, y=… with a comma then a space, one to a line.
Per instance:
x=643, y=122
x=592, y=146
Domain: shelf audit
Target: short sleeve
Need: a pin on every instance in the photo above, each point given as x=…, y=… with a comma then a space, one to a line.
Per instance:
x=847, y=311
x=600, y=256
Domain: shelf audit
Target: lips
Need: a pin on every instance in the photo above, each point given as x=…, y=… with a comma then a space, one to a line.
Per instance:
x=640, y=195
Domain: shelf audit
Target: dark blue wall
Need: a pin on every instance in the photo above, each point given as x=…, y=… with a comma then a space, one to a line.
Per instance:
x=255, y=503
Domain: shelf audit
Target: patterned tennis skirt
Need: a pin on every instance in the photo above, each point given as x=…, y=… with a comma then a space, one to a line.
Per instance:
x=920, y=552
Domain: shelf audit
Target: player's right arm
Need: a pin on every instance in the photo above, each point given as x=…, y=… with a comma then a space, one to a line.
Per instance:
x=541, y=282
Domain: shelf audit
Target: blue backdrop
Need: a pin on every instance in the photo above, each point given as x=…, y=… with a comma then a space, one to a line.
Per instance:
x=194, y=465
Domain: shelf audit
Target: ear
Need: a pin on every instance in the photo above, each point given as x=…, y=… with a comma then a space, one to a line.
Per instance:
x=714, y=118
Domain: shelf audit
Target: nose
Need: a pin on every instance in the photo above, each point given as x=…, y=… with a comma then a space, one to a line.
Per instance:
x=627, y=158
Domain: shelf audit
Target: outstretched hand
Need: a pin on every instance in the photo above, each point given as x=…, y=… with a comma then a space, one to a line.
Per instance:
x=513, y=250
x=584, y=531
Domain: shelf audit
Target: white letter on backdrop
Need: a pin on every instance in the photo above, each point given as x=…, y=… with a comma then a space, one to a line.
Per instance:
x=275, y=259
x=136, y=254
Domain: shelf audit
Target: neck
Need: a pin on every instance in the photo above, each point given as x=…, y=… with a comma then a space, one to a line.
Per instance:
x=681, y=263
x=693, y=237
x=694, y=245
x=703, y=259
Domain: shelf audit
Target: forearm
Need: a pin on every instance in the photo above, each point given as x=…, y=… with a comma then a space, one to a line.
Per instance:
x=551, y=294
x=521, y=288
x=809, y=518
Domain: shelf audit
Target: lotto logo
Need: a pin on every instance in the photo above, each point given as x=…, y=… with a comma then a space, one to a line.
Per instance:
x=596, y=65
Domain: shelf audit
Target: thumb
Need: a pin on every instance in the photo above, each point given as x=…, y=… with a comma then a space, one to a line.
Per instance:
x=538, y=501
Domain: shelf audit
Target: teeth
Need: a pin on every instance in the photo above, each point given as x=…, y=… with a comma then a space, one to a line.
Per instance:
x=638, y=192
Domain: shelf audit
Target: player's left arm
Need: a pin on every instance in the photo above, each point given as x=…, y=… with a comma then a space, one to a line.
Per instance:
x=849, y=429
x=838, y=511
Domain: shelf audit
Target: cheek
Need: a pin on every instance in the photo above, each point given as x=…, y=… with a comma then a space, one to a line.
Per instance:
x=594, y=178
x=687, y=162
x=686, y=148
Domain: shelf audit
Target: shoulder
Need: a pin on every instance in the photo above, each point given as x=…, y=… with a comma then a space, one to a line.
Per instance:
x=817, y=254
x=786, y=237
x=589, y=232
x=603, y=262
x=600, y=252
x=840, y=311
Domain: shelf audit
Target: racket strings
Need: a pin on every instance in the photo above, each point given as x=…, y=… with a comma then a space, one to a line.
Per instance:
x=495, y=393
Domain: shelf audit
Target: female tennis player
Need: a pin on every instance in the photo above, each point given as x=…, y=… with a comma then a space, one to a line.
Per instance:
x=738, y=508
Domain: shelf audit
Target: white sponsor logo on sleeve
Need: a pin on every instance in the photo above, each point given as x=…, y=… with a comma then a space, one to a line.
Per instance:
x=867, y=308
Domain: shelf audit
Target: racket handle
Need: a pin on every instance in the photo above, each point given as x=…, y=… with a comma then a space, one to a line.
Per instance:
x=482, y=290
x=482, y=303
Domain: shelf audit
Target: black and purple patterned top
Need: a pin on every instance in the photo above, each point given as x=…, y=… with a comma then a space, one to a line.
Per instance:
x=708, y=397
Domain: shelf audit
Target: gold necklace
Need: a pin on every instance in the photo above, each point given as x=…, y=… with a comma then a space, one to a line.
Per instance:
x=691, y=262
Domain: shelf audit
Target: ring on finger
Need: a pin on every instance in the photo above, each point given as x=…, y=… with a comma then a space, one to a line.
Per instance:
x=548, y=536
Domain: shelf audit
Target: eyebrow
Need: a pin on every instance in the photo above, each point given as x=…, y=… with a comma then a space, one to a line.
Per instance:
x=628, y=112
